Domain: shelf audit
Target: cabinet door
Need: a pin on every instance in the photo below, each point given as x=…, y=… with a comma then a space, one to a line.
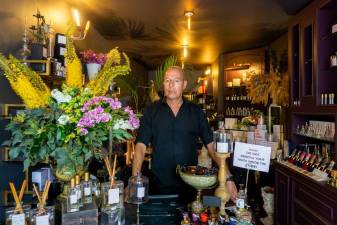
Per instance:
x=282, y=198
x=307, y=57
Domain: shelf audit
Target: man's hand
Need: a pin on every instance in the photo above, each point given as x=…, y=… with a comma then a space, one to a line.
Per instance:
x=233, y=192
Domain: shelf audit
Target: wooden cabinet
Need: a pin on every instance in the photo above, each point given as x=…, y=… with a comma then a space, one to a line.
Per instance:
x=301, y=200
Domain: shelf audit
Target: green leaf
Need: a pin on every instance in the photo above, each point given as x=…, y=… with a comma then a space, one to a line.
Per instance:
x=26, y=164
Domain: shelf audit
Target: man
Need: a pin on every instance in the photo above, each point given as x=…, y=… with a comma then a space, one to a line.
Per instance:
x=173, y=126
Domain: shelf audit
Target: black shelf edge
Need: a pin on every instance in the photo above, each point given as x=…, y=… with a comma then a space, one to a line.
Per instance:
x=311, y=137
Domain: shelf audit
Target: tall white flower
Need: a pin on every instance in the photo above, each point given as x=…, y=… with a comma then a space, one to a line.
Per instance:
x=59, y=96
x=63, y=119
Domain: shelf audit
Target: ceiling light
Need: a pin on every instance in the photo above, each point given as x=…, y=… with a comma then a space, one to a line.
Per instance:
x=189, y=14
x=208, y=71
x=76, y=16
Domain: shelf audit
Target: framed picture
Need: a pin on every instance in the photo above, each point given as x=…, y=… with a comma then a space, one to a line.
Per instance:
x=10, y=110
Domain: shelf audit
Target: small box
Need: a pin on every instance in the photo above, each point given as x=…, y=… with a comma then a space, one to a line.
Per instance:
x=39, y=177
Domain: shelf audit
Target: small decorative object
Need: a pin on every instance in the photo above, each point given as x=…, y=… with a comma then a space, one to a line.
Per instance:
x=87, y=189
x=236, y=82
x=79, y=190
x=94, y=61
x=199, y=179
x=40, y=215
x=222, y=140
x=17, y=216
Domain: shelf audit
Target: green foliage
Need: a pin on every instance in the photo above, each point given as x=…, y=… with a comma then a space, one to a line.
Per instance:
x=129, y=83
x=170, y=61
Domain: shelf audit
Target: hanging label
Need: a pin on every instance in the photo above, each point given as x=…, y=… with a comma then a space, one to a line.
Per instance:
x=140, y=192
x=18, y=219
x=222, y=147
x=113, y=196
x=42, y=220
x=61, y=39
x=73, y=199
x=87, y=191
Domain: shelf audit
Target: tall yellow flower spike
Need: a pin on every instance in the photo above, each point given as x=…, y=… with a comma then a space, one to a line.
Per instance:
x=25, y=82
x=74, y=76
x=111, y=69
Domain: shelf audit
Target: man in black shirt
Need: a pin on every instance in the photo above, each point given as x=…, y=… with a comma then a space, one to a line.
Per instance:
x=173, y=126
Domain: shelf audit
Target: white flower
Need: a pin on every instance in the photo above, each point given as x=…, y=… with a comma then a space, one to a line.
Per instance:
x=122, y=124
x=63, y=119
x=59, y=96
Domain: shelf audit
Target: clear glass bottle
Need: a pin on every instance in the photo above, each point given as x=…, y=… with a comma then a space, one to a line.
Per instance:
x=112, y=197
x=222, y=139
x=241, y=198
x=87, y=189
x=79, y=189
x=15, y=217
x=72, y=201
x=138, y=189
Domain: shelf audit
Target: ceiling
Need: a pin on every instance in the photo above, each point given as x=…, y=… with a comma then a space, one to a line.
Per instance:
x=151, y=30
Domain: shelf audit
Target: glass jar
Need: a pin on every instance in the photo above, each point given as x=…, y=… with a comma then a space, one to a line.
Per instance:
x=114, y=216
x=138, y=189
x=112, y=197
x=44, y=218
x=222, y=141
x=16, y=218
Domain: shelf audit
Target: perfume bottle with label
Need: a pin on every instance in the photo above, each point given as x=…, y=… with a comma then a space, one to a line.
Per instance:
x=73, y=204
x=79, y=189
x=87, y=189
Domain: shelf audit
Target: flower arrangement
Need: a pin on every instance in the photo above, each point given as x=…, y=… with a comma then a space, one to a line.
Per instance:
x=67, y=127
x=89, y=56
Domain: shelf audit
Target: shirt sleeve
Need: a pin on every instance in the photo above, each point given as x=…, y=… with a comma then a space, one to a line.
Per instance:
x=206, y=133
x=144, y=133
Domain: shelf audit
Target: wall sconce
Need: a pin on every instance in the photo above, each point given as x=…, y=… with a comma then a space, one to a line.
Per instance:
x=80, y=32
x=184, y=50
x=208, y=71
x=189, y=14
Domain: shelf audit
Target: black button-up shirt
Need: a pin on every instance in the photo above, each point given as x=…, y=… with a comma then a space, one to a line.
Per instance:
x=173, y=138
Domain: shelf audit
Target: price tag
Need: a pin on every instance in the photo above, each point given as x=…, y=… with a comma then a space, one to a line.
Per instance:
x=42, y=220
x=140, y=192
x=222, y=147
x=240, y=203
x=73, y=199
x=18, y=219
x=113, y=196
x=87, y=191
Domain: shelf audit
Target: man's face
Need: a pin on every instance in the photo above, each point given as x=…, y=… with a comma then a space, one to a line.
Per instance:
x=174, y=84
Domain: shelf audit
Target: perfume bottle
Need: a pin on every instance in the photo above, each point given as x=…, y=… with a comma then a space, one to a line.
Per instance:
x=241, y=199
x=73, y=205
x=79, y=188
x=87, y=189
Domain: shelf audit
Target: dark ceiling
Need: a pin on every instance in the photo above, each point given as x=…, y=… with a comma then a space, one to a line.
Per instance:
x=150, y=30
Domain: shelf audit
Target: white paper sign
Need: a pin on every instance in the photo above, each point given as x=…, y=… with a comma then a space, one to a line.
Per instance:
x=140, y=192
x=87, y=191
x=42, y=220
x=62, y=39
x=73, y=199
x=113, y=196
x=18, y=219
x=253, y=157
x=62, y=51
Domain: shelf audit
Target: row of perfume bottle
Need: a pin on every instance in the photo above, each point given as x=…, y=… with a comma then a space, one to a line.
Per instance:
x=318, y=129
x=310, y=161
x=239, y=111
x=111, y=193
x=327, y=98
x=238, y=98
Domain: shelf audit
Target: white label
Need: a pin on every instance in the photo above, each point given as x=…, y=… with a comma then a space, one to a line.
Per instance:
x=79, y=194
x=240, y=203
x=61, y=39
x=18, y=219
x=113, y=196
x=140, y=192
x=73, y=199
x=44, y=52
x=222, y=147
x=62, y=51
x=42, y=220
x=87, y=191
x=253, y=157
